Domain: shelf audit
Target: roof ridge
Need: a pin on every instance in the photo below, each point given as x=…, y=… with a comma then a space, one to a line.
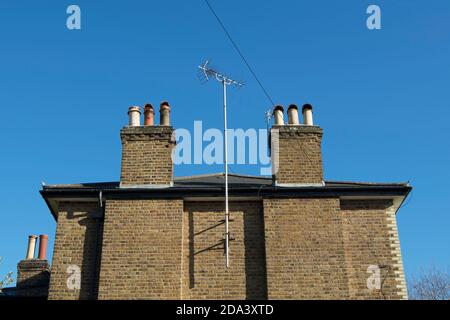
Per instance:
x=219, y=174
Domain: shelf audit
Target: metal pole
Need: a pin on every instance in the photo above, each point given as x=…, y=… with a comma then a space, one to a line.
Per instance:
x=227, y=234
x=207, y=72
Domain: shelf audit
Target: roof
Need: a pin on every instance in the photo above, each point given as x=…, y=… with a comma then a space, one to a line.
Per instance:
x=212, y=186
x=216, y=180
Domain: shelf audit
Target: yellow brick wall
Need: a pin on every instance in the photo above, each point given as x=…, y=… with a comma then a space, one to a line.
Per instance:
x=299, y=158
x=367, y=239
x=304, y=249
x=77, y=242
x=146, y=155
x=141, y=254
x=204, y=273
x=281, y=249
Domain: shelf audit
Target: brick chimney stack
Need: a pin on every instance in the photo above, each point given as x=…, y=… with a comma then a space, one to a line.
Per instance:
x=147, y=151
x=33, y=275
x=296, y=150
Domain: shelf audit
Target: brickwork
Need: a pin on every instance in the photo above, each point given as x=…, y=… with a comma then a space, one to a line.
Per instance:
x=367, y=238
x=280, y=248
x=142, y=248
x=33, y=278
x=299, y=159
x=147, y=155
x=205, y=275
x=397, y=261
x=304, y=249
x=77, y=242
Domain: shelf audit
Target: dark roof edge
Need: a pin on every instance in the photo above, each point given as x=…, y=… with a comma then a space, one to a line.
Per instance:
x=265, y=191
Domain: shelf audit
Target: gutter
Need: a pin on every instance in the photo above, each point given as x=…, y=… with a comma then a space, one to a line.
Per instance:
x=263, y=191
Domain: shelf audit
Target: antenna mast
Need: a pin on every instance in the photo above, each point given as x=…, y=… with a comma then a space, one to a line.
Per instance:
x=208, y=72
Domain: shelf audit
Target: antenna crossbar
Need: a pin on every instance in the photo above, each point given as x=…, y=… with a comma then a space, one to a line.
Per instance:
x=210, y=72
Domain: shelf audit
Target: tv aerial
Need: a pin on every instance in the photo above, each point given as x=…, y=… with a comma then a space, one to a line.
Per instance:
x=207, y=73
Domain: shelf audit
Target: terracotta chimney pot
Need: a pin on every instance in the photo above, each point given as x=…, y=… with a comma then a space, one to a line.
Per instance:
x=43, y=240
x=149, y=115
x=164, y=111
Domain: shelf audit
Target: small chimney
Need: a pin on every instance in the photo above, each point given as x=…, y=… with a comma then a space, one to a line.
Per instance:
x=307, y=115
x=149, y=115
x=31, y=247
x=164, y=111
x=293, y=114
x=43, y=240
x=278, y=115
x=134, y=116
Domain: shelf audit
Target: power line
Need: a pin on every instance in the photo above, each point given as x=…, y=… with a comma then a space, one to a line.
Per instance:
x=239, y=52
x=244, y=60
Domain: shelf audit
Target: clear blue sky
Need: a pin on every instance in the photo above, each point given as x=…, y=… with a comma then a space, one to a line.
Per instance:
x=382, y=97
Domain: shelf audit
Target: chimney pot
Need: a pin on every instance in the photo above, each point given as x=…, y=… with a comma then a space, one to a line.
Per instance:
x=134, y=116
x=307, y=115
x=164, y=112
x=278, y=115
x=293, y=114
x=31, y=247
x=149, y=115
x=43, y=240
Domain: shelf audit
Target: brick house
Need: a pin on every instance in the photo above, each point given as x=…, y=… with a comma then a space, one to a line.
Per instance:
x=155, y=236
